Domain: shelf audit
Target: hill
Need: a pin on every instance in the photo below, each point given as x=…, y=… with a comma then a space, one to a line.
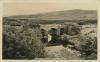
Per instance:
x=60, y=16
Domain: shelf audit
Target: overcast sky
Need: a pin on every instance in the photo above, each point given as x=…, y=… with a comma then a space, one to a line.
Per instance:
x=17, y=8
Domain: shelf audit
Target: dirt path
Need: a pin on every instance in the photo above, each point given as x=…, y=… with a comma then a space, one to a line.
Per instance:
x=60, y=53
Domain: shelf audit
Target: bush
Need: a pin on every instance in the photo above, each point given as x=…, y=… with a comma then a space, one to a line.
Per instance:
x=72, y=29
x=22, y=44
x=88, y=47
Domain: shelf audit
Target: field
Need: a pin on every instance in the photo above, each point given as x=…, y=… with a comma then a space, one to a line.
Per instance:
x=59, y=52
x=52, y=52
x=61, y=35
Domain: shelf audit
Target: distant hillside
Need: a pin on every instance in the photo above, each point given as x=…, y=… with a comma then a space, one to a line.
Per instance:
x=63, y=15
x=60, y=16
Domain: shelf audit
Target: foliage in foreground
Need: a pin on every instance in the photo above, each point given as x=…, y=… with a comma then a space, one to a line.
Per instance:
x=21, y=43
x=88, y=47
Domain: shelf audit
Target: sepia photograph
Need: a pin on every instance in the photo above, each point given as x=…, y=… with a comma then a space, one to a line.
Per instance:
x=49, y=31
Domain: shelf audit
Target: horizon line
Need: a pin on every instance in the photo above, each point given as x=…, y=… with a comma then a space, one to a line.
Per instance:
x=51, y=12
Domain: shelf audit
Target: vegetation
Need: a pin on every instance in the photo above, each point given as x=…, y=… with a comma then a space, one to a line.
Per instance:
x=22, y=43
x=72, y=28
x=22, y=39
x=88, y=47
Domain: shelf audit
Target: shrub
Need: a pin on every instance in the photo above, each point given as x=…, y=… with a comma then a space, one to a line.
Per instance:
x=22, y=44
x=88, y=47
x=72, y=29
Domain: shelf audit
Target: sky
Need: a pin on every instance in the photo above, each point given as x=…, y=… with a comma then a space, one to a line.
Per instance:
x=24, y=8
